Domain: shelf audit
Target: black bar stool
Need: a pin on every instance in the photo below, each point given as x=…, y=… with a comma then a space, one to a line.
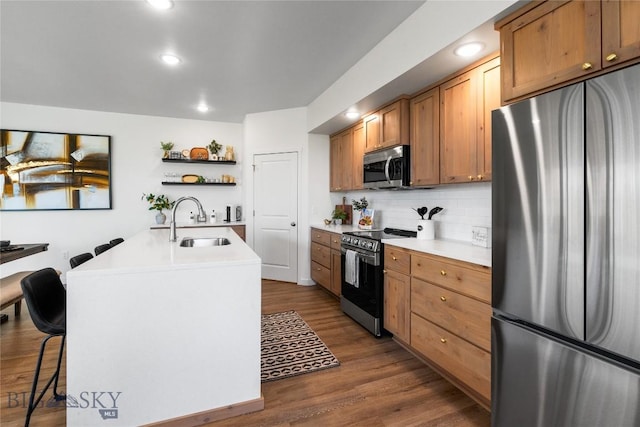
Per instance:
x=46, y=299
x=102, y=248
x=80, y=259
x=116, y=241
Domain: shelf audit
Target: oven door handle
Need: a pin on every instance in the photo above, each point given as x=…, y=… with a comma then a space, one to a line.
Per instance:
x=365, y=257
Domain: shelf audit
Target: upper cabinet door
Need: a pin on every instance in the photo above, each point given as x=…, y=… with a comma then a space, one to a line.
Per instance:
x=488, y=100
x=359, y=139
x=550, y=44
x=394, y=124
x=458, y=129
x=372, y=132
x=425, y=138
x=620, y=31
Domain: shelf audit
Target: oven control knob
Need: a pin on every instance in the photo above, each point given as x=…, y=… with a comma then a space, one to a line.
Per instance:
x=370, y=245
x=354, y=241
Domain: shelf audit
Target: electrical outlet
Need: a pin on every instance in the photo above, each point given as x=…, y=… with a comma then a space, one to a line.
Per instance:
x=481, y=236
x=65, y=255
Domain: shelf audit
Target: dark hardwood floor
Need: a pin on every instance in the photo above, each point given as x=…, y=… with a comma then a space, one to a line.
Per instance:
x=377, y=384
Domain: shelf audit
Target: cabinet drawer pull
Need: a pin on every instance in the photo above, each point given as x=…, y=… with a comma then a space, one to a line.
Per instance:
x=394, y=258
x=443, y=273
x=587, y=66
x=443, y=340
x=443, y=298
x=611, y=57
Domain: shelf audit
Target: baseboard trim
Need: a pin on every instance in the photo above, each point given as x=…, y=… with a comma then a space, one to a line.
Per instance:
x=217, y=414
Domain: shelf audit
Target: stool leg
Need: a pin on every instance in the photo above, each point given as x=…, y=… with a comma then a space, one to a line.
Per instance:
x=33, y=403
x=16, y=308
x=31, y=406
x=57, y=374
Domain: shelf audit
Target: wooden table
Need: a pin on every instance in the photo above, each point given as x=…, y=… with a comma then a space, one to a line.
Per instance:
x=21, y=253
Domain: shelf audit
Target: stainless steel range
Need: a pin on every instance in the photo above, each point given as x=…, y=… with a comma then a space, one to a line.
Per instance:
x=362, y=275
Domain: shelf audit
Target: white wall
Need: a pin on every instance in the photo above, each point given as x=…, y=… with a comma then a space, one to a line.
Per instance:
x=136, y=168
x=278, y=132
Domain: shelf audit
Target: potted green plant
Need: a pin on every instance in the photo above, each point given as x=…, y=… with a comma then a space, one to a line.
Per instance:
x=158, y=203
x=214, y=148
x=339, y=215
x=166, y=147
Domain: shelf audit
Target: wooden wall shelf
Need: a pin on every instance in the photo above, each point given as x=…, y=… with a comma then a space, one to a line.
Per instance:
x=199, y=183
x=213, y=162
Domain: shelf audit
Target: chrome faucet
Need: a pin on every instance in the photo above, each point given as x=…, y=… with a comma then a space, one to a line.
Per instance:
x=172, y=226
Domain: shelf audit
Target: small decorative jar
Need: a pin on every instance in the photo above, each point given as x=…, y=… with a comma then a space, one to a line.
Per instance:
x=229, y=155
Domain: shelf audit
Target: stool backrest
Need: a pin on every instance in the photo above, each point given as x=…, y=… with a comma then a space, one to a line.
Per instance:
x=46, y=299
x=102, y=248
x=80, y=259
x=116, y=241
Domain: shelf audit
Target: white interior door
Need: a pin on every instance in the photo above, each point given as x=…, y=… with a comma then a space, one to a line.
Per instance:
x=275, y=199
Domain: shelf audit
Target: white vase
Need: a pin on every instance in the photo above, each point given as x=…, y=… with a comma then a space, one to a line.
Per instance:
x=426, y=229
x=160, y=218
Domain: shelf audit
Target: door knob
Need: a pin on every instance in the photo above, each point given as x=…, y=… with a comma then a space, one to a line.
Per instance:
x=293, y=224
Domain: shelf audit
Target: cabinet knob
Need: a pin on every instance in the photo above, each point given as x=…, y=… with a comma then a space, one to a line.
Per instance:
x=443, y=340
x=611, y=57
x=470, y=178
x=480, y=176
x=384, y=271
x=443, y=273
x=587, y=66
x=443, y=298
x=394, y=258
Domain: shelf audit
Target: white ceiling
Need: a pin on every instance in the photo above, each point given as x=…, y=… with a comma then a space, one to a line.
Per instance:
x=238, y=56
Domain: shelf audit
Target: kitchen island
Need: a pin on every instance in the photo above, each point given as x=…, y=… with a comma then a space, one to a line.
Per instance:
x=164, y=334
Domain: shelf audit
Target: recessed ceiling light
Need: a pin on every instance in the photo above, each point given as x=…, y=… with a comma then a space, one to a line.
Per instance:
x=469, y=49
x=203, y=108
x=352, y=115
x=161, y=4
x=170, y=59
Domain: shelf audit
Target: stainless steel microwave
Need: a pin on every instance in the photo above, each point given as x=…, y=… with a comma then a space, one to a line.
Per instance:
x=387, y=168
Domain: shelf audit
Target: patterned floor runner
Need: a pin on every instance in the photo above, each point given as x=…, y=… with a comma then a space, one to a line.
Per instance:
x=290, y=347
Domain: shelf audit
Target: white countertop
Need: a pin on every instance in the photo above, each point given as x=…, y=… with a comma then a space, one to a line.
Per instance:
x=152, y=250
x=335, y=228
x=461, y=251
x=198, y=225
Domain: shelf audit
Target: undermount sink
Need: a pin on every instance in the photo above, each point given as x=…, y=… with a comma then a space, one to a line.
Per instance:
x=190, y=242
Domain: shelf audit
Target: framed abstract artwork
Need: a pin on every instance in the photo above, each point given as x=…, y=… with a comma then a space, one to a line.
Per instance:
x=54, y=171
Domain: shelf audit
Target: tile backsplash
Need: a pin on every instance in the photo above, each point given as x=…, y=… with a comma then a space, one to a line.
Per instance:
x=465, y=206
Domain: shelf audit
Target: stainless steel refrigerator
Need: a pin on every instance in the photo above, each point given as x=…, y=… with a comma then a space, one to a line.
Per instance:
x=566, y=256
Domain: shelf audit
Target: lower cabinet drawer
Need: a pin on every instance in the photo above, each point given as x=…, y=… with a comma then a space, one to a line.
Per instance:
x=472, y=282
x=469, y=364
x=464, y=316
x=321, y=254
x=321, y=274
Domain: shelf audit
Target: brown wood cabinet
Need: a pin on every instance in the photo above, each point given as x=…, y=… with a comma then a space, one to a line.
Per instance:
x=425, y=138
x=620, y=31
x=549, y=44
x=240, y=231
x=326, y=269
x=440, y=309
x=359, y=140
x=341, y=161
x=397, y=292
x=388, y=126
x=466, y=102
